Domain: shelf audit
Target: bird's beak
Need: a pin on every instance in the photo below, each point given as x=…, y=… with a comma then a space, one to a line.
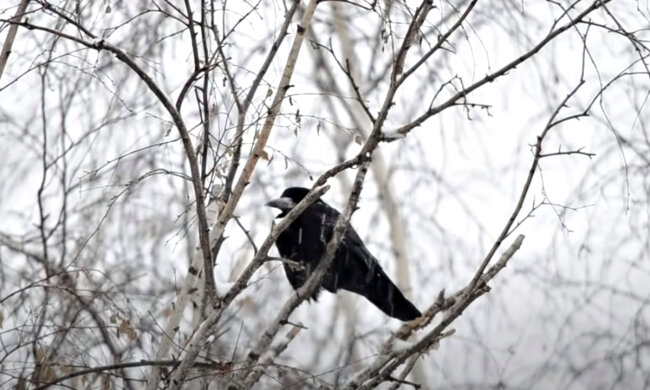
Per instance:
x=282, y=203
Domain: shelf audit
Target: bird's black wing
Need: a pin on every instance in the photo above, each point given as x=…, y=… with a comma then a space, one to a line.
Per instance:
x=305, y=241
x=359, y=272
x=355, y=269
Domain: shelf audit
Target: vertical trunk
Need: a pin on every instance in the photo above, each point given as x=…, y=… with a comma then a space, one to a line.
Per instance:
x=380, y=174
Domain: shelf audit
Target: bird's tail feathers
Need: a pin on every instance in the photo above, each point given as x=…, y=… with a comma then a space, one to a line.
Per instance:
x=387, y=297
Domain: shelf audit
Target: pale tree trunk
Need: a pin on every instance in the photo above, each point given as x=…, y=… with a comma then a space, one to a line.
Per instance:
x=382, y=180
x=191, y=291
x=379, y=168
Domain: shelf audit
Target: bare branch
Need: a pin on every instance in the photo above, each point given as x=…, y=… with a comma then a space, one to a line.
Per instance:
x=11, y=35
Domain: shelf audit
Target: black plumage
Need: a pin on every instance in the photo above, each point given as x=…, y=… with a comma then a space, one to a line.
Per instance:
x=353, y=269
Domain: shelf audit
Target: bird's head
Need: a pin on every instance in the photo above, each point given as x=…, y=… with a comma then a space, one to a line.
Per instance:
x=288, y=200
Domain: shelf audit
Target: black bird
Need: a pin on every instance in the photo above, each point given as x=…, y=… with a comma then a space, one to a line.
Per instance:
x=353, y=269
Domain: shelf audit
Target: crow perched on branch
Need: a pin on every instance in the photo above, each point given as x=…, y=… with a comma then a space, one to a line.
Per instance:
x=353, y=269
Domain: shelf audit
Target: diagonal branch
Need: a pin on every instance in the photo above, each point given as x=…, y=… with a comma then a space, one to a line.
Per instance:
x=404, y=130
x=11, y=36
x=207, y=326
